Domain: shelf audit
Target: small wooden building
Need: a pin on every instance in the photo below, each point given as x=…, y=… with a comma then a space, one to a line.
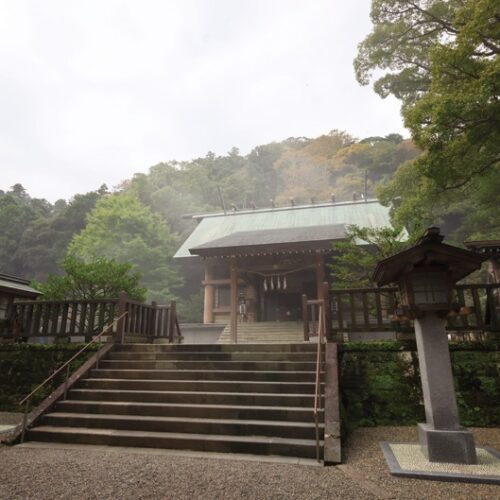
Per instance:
x=11, y=288
x=258, y=263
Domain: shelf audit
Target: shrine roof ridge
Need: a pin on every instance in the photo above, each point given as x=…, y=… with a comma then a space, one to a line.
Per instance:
x=231, y=212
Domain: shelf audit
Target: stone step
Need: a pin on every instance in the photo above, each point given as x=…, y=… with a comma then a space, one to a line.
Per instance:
x=292, y=347
x=253, y=398
x=199, y=385
x=246, y=412
x=192, y=397
x=192, y=425
x=210, y=365
x=265, y=332
x=260, y=376
x=214, y=356
x=261, y=445
x=270, y=341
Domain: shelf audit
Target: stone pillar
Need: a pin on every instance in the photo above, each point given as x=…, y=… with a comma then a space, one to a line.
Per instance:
x=233, y=293
x=441, y=437
x=332, y=444
x=208, y=303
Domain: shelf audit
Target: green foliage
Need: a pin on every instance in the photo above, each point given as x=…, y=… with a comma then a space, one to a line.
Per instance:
x=441, y=59
x=24, y=366
x=354, y=258
x=380, y=383
x=477, y=376
x=17, y=211
x=120, y=227
x=102, y=278
x=380, y=388
x=34, y=234
x=190, y=310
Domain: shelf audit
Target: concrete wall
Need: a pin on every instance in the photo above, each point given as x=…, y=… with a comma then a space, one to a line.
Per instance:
x=197, y=333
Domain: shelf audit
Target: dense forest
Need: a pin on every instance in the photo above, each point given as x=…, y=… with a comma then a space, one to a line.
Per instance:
x=141, y=222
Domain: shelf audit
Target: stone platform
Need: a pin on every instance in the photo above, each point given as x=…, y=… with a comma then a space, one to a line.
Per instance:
x=408, y=460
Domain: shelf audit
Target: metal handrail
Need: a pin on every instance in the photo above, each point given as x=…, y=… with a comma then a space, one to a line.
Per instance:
x=317, y=388
x=27, y=399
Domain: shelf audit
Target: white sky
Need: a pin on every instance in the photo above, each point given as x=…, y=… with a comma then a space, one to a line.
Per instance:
x=93, y=91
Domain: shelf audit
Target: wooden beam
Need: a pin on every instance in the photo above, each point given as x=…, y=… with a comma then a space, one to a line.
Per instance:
x=234, y=301
x=220, y=282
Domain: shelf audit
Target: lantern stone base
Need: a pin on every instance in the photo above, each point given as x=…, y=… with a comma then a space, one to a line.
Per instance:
x=451, y=446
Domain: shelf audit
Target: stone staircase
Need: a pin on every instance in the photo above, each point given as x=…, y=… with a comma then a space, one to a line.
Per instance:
x=252, y=399
x=265, y=332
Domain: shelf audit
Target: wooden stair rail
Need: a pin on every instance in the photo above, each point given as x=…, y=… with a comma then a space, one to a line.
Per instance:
x=27, y=399
x=317, y=386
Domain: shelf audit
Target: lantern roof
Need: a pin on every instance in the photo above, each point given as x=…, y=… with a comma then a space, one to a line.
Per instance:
x=429, y=252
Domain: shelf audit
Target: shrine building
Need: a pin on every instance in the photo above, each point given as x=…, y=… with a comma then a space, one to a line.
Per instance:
x=258, y=263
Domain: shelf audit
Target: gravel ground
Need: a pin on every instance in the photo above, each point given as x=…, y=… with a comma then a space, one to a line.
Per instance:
x=49, y=473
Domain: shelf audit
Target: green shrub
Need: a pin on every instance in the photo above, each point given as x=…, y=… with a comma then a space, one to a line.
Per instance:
x=380, y=383
x=24, y=366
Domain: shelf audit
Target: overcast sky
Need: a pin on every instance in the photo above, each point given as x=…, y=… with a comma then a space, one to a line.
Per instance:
x=93, y=91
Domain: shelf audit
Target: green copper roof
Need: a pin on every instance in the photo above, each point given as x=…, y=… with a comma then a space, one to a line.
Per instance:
x=215, y=226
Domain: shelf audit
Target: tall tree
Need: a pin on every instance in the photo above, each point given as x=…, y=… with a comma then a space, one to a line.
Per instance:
x=441, y=59
x=121, y=228
x=17, y=211
x=44, y=240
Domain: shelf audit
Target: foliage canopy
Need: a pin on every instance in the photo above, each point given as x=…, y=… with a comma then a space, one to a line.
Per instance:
x=441, y=59
x=355, y=258
x=121, y=228
x=102, y=278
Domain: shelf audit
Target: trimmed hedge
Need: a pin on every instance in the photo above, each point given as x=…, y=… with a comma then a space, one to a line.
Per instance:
x=380, y=383
x=24, y=366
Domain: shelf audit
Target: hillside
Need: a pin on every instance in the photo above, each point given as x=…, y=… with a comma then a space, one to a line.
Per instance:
x=145, y=212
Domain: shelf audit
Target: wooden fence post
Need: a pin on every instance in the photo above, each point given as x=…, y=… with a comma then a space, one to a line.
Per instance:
x=171, y=321
x=305, y=317
x=152, y=320
x=120, y=326
x=327, y=311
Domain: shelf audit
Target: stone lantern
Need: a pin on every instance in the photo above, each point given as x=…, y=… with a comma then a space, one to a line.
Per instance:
x=426, y=274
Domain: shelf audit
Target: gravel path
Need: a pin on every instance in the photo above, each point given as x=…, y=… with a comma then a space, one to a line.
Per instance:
x=49, y=473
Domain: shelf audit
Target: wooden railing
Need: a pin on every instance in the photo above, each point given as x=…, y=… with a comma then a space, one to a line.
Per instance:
x=57, y=318
x=63, y=319
x=372, y=309
x=314, y=314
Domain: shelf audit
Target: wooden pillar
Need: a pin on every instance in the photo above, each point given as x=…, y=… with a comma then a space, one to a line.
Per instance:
x=320, y=274
x=234, y=300
x=328, y=312
x=208, y=303
x=123, y=321
x=305, y=317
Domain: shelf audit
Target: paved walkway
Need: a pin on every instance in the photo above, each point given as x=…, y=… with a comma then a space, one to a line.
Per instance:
x=106, y=473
